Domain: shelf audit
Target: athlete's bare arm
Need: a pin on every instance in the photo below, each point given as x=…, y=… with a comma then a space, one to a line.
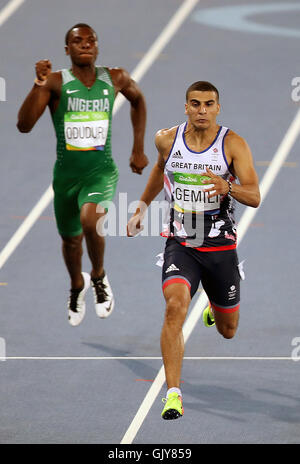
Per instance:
x=163, y=141
x=128, y=87
x=40, y=96
x=239, y=158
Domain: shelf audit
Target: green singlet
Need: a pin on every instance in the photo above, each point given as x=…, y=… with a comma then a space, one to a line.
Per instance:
x=84, y=170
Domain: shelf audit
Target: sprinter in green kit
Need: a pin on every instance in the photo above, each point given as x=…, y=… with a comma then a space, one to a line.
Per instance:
x=85, y=175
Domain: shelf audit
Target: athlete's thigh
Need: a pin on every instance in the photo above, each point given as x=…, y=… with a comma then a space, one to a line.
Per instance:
x=221, y=282
x=67, y=213
x=180, y=267
x=99, y=188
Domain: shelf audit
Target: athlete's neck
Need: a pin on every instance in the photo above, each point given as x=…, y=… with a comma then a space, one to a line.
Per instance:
x=86, y=74
x=199, y=139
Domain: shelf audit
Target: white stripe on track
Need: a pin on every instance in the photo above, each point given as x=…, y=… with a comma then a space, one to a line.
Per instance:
x=279, y=158
x=9, y=9
x=162, y=40
x=137, y=75
x=26, y=226
x=249, y=213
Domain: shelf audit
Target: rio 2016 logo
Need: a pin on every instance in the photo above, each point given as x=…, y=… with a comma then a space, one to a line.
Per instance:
x=2, y=89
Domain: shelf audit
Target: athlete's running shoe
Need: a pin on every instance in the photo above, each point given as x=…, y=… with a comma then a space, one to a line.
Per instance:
x=103, y=296
x=208, y=317
x=76, y=303
x=173, y=407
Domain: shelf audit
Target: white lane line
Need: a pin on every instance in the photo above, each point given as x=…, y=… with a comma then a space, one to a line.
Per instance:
x=195, y=314
x=137, y=75
x=9, y=9
x=25, y=226
x=279, y=158
x=147, y=358
x=162, y=40
x=5, y=14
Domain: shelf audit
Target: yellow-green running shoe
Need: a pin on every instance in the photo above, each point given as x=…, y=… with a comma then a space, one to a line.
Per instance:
x=173, y=407
x=208, y=317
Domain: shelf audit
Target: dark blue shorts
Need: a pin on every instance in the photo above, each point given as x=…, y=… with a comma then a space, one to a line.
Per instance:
x=217, y=271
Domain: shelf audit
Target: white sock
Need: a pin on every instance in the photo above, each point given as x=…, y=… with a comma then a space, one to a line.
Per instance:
x=174, y=390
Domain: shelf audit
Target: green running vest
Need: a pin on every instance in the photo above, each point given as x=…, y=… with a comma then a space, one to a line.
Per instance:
x=82, y=123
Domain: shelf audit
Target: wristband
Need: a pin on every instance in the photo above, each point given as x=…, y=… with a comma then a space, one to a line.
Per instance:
x=230, y=187
x=38, y=82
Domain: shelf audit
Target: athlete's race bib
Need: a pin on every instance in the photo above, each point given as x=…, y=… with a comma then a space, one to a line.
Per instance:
x=189, y=195
x=86, y=130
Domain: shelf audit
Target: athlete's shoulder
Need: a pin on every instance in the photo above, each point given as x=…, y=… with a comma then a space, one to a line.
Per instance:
x=234, y=140
x=116, y=70
x=119, y=76
x=236, y=147
x=164, y=138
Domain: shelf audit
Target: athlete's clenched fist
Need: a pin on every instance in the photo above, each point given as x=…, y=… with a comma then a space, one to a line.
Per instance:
x=43, y=69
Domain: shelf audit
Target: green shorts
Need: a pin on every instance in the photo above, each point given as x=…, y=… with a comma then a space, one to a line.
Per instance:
x=71, y=194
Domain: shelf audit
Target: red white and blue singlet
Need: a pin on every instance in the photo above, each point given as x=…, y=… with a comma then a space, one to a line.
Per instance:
x=193, y=219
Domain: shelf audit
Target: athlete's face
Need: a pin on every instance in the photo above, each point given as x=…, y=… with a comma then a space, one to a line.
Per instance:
x=202, y=108
x=82, y=46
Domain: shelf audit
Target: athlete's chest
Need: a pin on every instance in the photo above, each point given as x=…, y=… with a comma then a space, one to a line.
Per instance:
x=184, y=159
x=86, y=115
x=185, y=162
x=80, y=98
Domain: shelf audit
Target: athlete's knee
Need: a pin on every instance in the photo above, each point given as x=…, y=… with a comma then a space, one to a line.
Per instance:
x=228, y=330
x=88, y=218
x=226, y=323
x=176, y=310
x=72, y=243
x=88, y=225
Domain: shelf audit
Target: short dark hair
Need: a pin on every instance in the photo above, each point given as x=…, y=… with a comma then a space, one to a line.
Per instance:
x=202, y=86
x=75, y=27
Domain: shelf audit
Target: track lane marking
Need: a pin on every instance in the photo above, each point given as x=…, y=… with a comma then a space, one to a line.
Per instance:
x=9, y=10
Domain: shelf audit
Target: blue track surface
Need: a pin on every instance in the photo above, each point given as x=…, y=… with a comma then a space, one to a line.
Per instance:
x=94, y=401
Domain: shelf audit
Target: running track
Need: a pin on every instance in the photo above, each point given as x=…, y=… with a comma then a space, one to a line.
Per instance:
x=102, y=382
